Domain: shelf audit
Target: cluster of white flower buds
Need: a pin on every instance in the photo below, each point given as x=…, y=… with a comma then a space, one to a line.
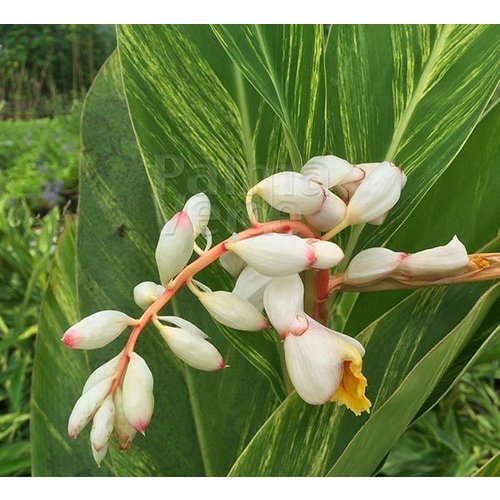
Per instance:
x=266, y=260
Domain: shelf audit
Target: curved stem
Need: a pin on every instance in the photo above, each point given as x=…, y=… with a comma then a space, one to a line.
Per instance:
x=279, y=226
x=336, y=230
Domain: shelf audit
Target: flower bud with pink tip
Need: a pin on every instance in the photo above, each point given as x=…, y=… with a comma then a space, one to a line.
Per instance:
x=125, y=433
x=251, y=285
x=376, y=195
x=438, y=262
x=331, y=170
x=175, y=246
x=290, y=192
x=284, y=304
x=102, y=426
x=275, y=254
x=137, y=390
x=328, y=254
x=331, y=213
x=190, y=345
x=86, y=406
x=97, y=330
x=372, y=265
x=146, y=293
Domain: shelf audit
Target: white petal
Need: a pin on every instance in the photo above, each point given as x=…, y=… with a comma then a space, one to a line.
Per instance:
x=86, y=406
x=138, y=400
x=99, y=455
x=146, y=293
x=328, y=254
x=314, y=364
x=97, y=330
x=439, y=262
x=198, y=210
x=376, y=195
x=103, y=423
x=275, y=254
x=250, y=285
x=104, y=371
x=175, y=246
x=371, y=265
x=355, y=343
x=192, y=349
x=233, y=311
x=331, y=214
x=284, y=303
x=291, y=192
x=184, y=324
x=232, y=263
x=330, y=170
x=124, y=431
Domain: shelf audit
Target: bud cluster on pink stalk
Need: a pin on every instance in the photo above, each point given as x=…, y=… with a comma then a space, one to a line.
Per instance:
x=375, y=264
x=266, y=260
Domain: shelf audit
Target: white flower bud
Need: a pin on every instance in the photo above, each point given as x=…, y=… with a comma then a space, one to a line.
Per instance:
x=137, y=390
x=146, y=293
x=331, y=170
x=125, y=433
x=175, y=246
x=371, y=265
x=376, y=195
x=275, y=254
x=250, y=285
x=439, y=262
x=104, y=371
x=97, y=330
x=328, y=254
x=103, y=423
x=284, y=303
x=291, y=192
x=192, y=348
x=86, y=406
x=233, y=311
x=331, y=214
x=198, y=210
x=232, y=263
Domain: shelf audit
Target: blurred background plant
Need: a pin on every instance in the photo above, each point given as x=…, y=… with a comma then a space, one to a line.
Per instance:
x=45, y=71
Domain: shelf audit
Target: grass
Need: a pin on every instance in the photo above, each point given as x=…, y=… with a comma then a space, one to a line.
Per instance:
x=460, y=435
x=26, y=248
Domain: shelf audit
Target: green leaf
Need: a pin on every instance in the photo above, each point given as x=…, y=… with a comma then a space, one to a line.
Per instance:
x=300, y=439
x=408, y=93
x=285, y=64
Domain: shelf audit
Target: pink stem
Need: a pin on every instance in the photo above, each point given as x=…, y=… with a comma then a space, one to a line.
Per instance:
x=280, y=226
